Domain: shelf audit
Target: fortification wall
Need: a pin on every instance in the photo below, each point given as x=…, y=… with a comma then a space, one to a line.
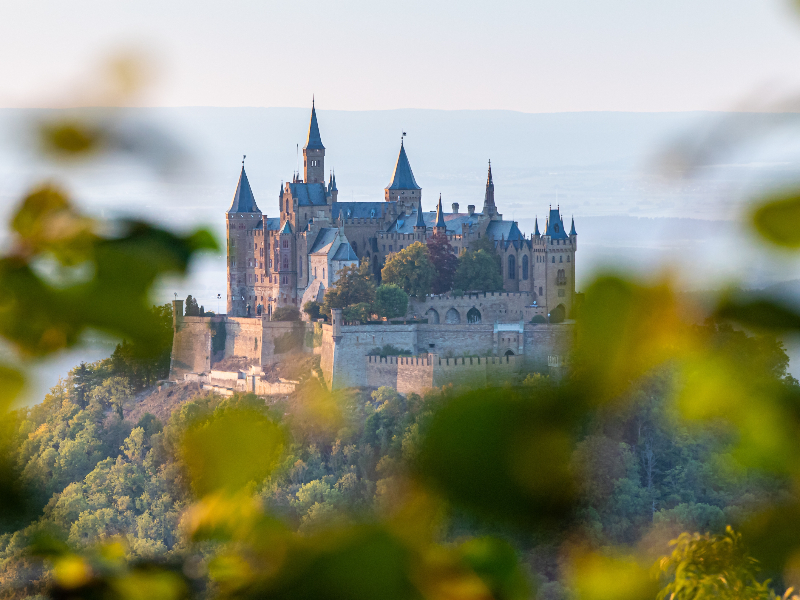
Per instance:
x=415, y=374
x=191, y=347
x=456, y=340
x=542, y=341
x=281, y=338
x=357, y=341
x=500, y=307
x=327, y=352
x=243, y=338
x=476, y=371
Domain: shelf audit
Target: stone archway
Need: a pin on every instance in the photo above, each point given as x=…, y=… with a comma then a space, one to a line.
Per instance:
x=452, y=317
x=473, y=315
x=433, y=316
x=509, y=353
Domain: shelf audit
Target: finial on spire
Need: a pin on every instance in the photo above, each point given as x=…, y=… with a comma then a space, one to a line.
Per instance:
x=243, y=157
x=312, y=100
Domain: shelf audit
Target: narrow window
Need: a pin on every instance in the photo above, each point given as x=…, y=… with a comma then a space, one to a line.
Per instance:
x=512, y=267
x=560, y=259
x=567, y=258
x=525, y=267
x=554, y=259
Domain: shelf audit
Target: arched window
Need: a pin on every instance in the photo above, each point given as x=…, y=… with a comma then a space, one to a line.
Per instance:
x=433, y=316
x=554, y=259
x=473, y=315
x=285, y=262
x=512, y=267
x=525, y=267
x=452, y=316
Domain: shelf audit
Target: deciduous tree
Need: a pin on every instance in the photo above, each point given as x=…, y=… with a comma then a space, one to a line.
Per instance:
x=390, y=301
x=410, y=269
x=444, y=260
x=478, y=270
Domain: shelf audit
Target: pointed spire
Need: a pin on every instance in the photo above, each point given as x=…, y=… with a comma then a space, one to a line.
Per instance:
x=488, y=200
x=572, y=230
x=440, y=215
x=403, y=177
x=334, y=188
x=243, y=199
x=420, y=219
x=536, y=230
x=314, y=141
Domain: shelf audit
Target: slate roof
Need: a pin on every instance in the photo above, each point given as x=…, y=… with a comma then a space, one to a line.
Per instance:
x=536, y=229
x=285, y=228
x=439, y=213
x=555, y=226
x=308, y=194
x=452, y=221
x=572, y=231
x=325, y=237
x=359, y=210
x=273, y=224
x=314, y=141
x=345, y=252
x=403, y=177
x=420, y=222
x=243, y=200
x=507, y=230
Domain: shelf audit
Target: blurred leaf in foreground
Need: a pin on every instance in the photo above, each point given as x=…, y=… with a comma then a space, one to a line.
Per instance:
x=777, y=219
x=504, y=454
x=624, y=330
x=230, y=450
x=596, y=576
x=496, y=563
x=761, y=313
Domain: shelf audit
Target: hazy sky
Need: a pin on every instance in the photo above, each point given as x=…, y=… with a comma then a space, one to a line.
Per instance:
x=526, y=55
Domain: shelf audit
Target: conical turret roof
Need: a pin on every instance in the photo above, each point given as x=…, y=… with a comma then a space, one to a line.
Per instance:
x=314, y=141
x=420, y=220
x=403, y=177
x=572, y=230
x=243, y=199
x=536, y=227
x=440, y=214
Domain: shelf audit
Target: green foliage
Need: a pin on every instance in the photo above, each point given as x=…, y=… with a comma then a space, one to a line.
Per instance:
x=711, y=566
x=354, y=285
x=143, y=365
x=191, y=308
x=776, y=218
x=358, y=312
x=558, y=314
x=410, y=269
x=444, y=260
x=538, y=319
x=388, y=350
x=390, y=301
x=219, y=335
x=478, y=271
x=286, y=313
x=312, y=308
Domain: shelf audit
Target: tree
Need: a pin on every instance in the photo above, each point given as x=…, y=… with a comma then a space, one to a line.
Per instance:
x=444, y=260
x=558, y=314
x=411, y=270
x=478, y=270
x=192, y=309
x=360, y=311
x=354, y=285
x=145, y=363
x=390, y=301
x=312, y=309
x=286, y=313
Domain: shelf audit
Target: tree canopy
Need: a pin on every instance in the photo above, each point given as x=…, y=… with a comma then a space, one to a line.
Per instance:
x=410, y=269
x=355, y=285
x=390, y=301
x=478, y=270
x=444, y=260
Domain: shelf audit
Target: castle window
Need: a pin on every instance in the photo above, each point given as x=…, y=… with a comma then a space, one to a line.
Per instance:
x=300, y=270
x=285, y=243
x=512, y=267
x=561, y=259
x=554, y=259
x=270, y=263
x=567, y=258
x=285, y=262
x=384, y=247
x=525, y=267
x=556, y=228
x=315, y=272
x=562, y=292
x=323, y=272
x=540, y=290
x=390, y=247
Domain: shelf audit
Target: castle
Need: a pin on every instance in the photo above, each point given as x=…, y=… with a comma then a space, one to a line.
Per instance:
x=294, y=258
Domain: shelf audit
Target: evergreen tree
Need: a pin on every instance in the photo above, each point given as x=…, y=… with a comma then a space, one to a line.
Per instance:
x=192, y=309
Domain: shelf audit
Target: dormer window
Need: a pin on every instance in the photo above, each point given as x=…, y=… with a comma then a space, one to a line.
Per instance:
x=556, y=228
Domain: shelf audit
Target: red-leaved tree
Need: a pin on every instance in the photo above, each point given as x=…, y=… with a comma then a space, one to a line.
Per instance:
x=441, y=255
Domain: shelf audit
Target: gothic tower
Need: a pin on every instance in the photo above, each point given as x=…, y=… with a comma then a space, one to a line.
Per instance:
x=242, y=220
x=403, y=189
x=286, y=256
x=314, y=152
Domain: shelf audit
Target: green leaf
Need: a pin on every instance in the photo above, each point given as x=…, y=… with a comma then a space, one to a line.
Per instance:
x=504, y=454
x=778, y=219
x=230, y=450
x=762, y=313
x=497, y=564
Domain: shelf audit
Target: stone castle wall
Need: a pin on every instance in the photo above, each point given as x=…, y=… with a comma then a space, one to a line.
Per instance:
x=493, y=307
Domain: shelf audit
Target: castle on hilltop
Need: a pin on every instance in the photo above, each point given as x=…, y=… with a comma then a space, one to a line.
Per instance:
x=294, y=258
x=288, y=260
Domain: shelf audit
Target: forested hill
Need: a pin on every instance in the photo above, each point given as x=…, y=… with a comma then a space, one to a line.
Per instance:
x=645, y=476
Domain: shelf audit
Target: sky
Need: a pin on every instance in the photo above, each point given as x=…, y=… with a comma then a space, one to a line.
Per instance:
x=521, y=55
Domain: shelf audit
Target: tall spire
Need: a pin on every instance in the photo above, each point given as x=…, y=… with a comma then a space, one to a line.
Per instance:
x=440, y=216
x=243, y=199
x=572, y=230
x=314, y=141
x=489, y=207
x=536, y=227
